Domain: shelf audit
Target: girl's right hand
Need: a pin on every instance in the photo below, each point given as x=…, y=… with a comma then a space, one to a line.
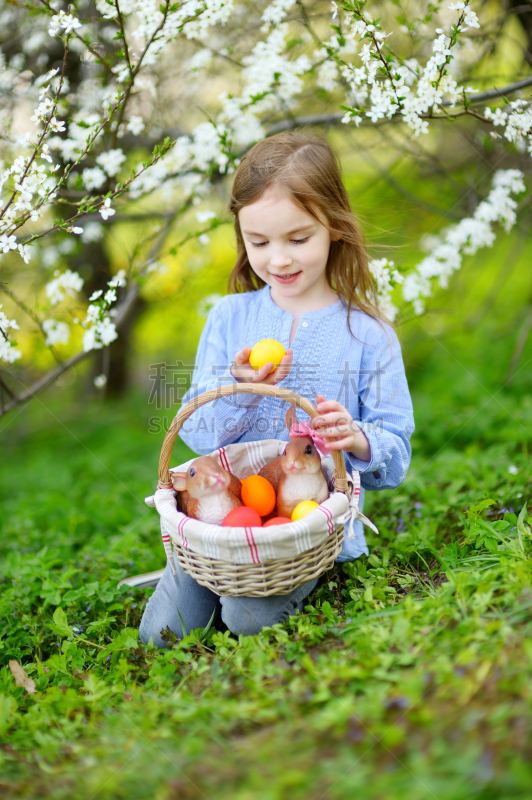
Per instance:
x=243, y=372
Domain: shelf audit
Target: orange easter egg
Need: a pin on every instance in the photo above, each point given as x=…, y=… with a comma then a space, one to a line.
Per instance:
x=277, y=521
x=258, y=493
x=242, y=517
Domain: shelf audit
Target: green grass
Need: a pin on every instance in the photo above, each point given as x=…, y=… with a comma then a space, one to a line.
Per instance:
x=408, y=675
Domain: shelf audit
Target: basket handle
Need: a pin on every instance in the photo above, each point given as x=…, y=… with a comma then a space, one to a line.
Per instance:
x=232, y=389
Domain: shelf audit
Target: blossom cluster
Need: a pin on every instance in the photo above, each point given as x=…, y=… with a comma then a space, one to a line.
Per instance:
x=89, y=130
x=517, y=122
x=56, y=332
x=383, y=85
x=386, y=279
x=465, y=238
x=7, y=351
x=65, y=283
x=100, y=331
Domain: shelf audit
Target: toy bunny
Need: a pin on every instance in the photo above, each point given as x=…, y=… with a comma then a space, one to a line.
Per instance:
x=297, y=474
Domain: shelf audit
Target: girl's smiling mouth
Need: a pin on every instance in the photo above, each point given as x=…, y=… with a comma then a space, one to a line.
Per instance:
x=289, y=277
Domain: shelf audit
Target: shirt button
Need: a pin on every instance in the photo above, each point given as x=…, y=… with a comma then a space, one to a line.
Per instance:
x=305, y=324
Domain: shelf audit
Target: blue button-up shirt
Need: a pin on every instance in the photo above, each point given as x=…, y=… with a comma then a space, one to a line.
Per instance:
x=365, y=374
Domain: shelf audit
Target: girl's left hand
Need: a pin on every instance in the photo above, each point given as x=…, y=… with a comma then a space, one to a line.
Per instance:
x=336, y=424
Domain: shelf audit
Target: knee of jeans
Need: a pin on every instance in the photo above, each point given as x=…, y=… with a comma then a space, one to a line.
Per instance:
x=240, y=618
x=148, y=630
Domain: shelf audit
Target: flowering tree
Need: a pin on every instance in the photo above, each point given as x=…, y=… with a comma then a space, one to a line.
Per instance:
x=118, y=106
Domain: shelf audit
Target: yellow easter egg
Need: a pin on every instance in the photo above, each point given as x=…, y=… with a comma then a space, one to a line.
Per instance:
x=303, y=508
x=267, y=350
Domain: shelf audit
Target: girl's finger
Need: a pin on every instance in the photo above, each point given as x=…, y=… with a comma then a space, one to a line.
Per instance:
x=284, y=368
x=334, y=432
x=332, y=418
x=242, y=357
x=341, y=443
x=262, y=373
x=330, y=405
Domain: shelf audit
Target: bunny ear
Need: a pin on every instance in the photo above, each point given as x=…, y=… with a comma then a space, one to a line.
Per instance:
x=179, y=481
x=290, y=417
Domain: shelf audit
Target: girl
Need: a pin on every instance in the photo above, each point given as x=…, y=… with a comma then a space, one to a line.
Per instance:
x=301, y=277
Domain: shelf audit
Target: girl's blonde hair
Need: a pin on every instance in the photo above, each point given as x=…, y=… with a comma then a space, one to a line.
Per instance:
x=308, y=170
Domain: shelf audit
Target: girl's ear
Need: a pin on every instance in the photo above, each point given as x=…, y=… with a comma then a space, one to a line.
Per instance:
x=179, y=481
x=290, y=417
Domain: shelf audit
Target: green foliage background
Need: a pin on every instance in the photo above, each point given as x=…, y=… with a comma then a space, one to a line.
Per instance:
x=409, y=673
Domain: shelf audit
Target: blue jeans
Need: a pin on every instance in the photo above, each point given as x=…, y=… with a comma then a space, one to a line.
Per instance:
x=246, y=615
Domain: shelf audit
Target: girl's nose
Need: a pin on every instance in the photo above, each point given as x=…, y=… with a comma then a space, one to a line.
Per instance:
x=280, y=259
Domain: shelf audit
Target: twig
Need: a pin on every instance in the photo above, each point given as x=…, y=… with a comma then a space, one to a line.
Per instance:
x=32, y=315
x=334, y=119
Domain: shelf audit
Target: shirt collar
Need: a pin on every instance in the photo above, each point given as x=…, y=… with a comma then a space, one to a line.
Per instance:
x=311, y=315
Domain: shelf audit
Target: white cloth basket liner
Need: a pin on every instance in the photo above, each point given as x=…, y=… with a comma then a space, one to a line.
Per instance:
x=255, y=545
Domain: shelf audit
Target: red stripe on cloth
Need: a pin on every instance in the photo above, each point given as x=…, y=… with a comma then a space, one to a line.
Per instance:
x=328, y=515
x=180, y=527
x=252, y=546
x=223, y=459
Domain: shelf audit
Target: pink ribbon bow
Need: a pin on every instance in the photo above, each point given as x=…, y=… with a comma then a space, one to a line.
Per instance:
x=299, y=429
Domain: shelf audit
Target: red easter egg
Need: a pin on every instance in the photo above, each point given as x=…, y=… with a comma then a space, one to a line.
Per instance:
x=242, y=517
x=277, y=521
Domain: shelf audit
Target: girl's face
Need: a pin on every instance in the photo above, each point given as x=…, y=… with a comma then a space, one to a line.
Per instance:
x=287, y=248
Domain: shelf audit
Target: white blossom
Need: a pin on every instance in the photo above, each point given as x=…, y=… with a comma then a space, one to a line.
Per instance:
x=205, y=216
x=106, y=211
x=67, y=282
x=135, y=125
x=8, y=353
x=65, y=21
x=92, y=232
x=25, y=253
x=118, y=280
x=276, y=12
x=93, y=178
x=206, y=303
x=100, y=334
x=100, y=381
x=111, y=161
x=328, y=76
x=8, y=243
x=466, y=238
x=386, y=279
x=56, y=332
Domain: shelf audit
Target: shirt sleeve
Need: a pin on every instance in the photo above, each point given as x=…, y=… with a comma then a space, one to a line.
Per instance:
x=224, y=420
x=385, y=412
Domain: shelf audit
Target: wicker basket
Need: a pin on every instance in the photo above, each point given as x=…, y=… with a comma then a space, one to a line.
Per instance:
x=276, y=576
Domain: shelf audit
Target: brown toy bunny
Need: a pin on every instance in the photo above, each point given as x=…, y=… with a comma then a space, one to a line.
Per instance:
x=296, y=475
x=207, y=491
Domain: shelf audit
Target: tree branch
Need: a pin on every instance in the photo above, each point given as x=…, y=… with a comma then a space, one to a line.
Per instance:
x=334, y=119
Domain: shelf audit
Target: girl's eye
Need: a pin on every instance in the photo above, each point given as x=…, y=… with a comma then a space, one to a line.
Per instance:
x=308, y=450
x=258, y=244
x=192, y=472
x=300, y=241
